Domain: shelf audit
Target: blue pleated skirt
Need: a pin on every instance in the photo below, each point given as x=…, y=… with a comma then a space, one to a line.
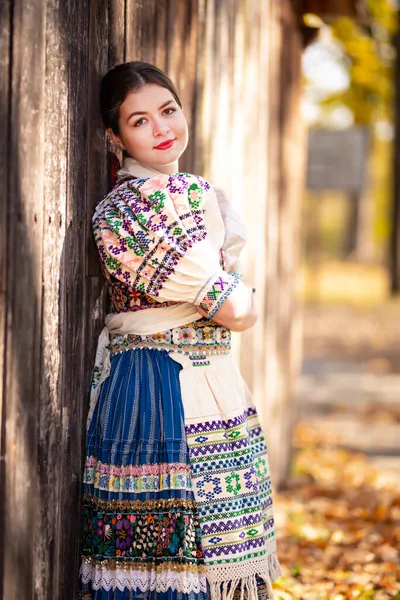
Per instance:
x=141, y=532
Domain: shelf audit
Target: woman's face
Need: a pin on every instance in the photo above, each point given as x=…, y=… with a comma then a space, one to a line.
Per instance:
x=153, y=128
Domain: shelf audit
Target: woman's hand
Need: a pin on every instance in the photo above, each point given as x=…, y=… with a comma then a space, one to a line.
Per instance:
x=238, y=312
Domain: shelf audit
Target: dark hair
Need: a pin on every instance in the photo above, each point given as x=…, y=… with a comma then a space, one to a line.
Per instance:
x=124, y=78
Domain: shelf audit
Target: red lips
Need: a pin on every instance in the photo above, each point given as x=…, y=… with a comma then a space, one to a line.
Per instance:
x=165, y=145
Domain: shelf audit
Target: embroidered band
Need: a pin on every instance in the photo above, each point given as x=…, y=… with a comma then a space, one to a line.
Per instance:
x=198, y=338
x=218, y=290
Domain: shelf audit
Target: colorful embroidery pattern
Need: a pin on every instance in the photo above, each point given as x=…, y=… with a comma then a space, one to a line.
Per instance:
x=198, y=338
x=232, y=485
x=217, y=293
x=144, y=227
x=167, y=533
x=124, y=298
x=136, y=478
x=144, y=546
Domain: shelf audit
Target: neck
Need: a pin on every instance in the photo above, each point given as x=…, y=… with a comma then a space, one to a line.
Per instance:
x=169, y=169
x=135, y=168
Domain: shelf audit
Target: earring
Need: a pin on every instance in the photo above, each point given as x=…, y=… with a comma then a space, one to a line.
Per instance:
x=112, y=146
x=114, y=161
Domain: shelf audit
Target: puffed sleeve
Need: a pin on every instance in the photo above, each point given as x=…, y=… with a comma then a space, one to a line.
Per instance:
x=235, y=233
x=150, y=234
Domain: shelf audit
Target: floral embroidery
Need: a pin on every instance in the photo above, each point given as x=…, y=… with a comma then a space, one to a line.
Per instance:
x=162, y=533
x=195, y=195
x=187, y=335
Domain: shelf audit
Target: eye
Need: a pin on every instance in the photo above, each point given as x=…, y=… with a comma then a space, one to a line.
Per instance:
x=169, y=111
x=139, y=122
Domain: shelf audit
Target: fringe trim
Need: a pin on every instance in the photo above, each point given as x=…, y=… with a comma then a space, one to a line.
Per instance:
x=228, y=589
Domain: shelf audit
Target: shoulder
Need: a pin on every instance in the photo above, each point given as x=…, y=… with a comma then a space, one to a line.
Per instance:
x=149, y=193
x=119, y=199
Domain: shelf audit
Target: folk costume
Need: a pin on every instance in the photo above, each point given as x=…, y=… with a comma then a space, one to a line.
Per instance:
x=177, y=490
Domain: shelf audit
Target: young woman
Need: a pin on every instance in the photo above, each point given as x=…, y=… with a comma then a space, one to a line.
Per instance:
x=177, y=492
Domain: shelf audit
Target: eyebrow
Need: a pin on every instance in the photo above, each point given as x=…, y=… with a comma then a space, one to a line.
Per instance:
x=143, y=112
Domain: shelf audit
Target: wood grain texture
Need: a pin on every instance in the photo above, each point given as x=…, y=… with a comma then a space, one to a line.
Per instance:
x=51, y=359
x=74, y=310
x=97, y=179
x=5, y=49
x=161, y=35
x=140, y=30
x=96, y=139
x=285, y=176
x=116, y=33
x=24, y=296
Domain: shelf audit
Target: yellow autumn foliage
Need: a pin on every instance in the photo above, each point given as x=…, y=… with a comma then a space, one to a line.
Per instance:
x=369, y=55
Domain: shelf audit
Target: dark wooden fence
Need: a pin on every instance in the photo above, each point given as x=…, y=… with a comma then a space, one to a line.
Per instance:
x=237, y=66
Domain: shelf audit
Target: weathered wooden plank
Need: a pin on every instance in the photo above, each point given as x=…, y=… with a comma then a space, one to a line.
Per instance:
x=140, y=30
x=205, y=117
x=286, y=152
x=73, y=307
x=161, y=33
x=196, y=158
x=54, y=229
x=255, y=161
x=97, y=182
x=97, y=179
x=116, y=33
x=24, y=295
x=148, y=30
x=177, y=34
x=5, y=39
x=189, y=86
x=273, y=367
x=132, y=30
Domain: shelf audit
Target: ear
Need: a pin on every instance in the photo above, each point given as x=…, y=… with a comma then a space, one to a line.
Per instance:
x=115, y=139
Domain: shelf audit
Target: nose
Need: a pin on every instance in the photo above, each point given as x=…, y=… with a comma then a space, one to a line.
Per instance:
x=160, y=128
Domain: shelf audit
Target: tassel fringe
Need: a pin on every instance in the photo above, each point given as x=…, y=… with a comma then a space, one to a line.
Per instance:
x=228, y=590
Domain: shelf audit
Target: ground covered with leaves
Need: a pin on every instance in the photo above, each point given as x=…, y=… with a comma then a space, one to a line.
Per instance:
x=338, y=520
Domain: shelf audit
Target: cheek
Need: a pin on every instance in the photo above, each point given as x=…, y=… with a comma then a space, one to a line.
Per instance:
x=182, y=126
x=138, y=139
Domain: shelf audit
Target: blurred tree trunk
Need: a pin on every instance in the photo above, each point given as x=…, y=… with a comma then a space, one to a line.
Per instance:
x=358, y=241
x=394, y=247
x=353, y=222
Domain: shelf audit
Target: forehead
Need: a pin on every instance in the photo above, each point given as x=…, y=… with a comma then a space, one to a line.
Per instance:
x=150, y=97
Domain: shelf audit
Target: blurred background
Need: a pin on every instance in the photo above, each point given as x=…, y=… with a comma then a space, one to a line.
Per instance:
x=341, y=511
x=348, y=103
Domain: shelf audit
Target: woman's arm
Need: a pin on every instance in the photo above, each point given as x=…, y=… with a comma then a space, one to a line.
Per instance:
x=238, y=312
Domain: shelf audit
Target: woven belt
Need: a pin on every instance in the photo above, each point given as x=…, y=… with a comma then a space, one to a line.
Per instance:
x=195, y=339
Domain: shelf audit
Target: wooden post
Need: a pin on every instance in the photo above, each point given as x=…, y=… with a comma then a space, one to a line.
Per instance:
x=282, y=347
